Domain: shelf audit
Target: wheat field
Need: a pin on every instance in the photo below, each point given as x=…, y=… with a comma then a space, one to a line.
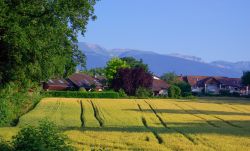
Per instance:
x=219, y=124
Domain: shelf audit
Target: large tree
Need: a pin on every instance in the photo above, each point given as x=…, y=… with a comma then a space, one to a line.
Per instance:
x=112, y=66
x=246, y=78
x=133, y=63
x=38, y=38
x=170, y=78
x=130, y=79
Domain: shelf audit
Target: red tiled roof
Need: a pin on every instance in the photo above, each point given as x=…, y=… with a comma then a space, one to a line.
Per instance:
x=193, y=80
x=201, y=80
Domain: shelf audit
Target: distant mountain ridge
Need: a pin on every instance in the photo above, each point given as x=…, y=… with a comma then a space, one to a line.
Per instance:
x=97, y=56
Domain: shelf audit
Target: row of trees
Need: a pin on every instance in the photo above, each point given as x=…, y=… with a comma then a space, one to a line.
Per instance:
x=132, y=76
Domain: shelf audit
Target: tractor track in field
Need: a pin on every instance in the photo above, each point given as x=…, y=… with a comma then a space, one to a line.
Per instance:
x=234, y=108
x=200, y=117
x=82, y=115
x=241, y=107
x=224, y=121
x=144, y=122
x=188, y=137
x=97, y=114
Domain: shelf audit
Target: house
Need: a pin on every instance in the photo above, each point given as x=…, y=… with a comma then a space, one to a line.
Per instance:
x=57, y=84
x=159, y=87
x=75, y=81
x=80, y=80
x=213, y=84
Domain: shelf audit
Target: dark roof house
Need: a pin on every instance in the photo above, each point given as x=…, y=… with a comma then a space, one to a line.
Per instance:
x=57, y=84
x=81, y=80
x=159, y=85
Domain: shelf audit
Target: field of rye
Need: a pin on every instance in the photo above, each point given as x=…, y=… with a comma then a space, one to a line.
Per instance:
x=218, y=124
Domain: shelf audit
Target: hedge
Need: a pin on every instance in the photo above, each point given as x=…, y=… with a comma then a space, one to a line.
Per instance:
x=77, y=94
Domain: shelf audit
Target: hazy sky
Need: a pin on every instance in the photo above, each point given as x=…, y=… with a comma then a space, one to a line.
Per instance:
x=210, y=29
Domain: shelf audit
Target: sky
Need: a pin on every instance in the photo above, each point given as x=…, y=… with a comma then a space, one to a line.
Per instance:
x=210, y=29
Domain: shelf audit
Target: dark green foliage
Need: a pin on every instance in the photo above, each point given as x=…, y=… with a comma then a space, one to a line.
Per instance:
x=38, y=38
x=5, y=146
x=246, y=78
x=76, y=94
x=45, y=137
x=174, y=91
x=142, y=92
x=170, y=78
x=15, y=100
x=224, y=92
x=187, y=94
x=122, y=93
x=185, y=88
x=95, y=72
x=133, y=63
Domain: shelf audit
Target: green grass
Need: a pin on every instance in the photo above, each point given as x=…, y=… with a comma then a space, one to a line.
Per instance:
x=160, y=124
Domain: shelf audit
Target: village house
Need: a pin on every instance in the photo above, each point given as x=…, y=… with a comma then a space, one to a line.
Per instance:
x=159, y=87
x=214, y=84
x=75, y=81
x=57, y=84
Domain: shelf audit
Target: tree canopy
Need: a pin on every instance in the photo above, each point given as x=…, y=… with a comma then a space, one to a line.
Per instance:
x=133, y=63
x=130, y=79
x=170, y=78
x=38, y=38
x=246, y=78
x=95, y=71
x=112, y=66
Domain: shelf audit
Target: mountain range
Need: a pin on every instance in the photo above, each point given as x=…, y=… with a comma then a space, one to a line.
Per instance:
x=97, y=56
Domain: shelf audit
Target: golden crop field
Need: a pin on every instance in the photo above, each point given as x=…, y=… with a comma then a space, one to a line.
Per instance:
x=216, y=124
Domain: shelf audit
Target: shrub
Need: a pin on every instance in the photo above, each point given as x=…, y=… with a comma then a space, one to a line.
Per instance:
x=4, y=146
x=82, y=89
x=185, y=88
x=76, y=94
x=187, y=94
x=122, y=93
x=42, y=138
x=224, y=92
x=142, y=92
x=16, y=99
x=174, y=91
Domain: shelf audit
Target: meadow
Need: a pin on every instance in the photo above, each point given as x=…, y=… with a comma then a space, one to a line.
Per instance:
x=221, y=124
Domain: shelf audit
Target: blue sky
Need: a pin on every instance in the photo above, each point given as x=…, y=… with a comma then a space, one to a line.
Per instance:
x=210, y=29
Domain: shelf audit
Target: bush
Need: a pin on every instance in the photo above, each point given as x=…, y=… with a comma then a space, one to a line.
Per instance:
x=4, y=146
x=185, y=88
x=16, y=99
x=77, y=94
x=224, y=92
x=187, y=94
x=122, y=93
x=174, y=91
x=82, y=90
x=42, y=138
x=142, y=92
